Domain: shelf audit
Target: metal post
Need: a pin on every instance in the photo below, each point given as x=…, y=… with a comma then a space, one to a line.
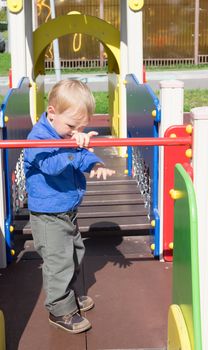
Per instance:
x=28, y=11
x=9, y=32
x=196, y=33
x=124, y=70
x=34, y=15
x=57, y=65
x=102, y=17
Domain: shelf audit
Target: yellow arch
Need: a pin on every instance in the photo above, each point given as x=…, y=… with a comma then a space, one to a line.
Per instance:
x=178, y=337
x=76, y=23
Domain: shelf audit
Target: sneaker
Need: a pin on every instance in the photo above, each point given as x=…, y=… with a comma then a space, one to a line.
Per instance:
x=70, y=323
x=85, y=303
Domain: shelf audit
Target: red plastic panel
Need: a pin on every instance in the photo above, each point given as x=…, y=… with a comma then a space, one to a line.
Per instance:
x=172, y=155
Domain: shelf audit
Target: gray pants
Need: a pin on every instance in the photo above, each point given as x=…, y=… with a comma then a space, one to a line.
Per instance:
x=58, y=241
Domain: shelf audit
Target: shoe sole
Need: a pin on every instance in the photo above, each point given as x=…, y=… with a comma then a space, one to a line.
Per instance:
x=89, y=307
x=80, y=330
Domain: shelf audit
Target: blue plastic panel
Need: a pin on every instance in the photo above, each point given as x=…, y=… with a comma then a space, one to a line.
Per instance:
x=16, y=107
x=141, y=102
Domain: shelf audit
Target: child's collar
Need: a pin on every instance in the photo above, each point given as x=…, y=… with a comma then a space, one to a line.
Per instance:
x=46, y=115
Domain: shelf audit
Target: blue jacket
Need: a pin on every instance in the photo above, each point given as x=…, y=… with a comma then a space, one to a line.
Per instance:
x=54, y=176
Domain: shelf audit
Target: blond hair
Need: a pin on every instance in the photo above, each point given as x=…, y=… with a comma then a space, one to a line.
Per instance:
x=71, y=93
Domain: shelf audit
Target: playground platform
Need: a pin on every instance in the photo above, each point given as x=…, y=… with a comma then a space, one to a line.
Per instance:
x=131, y=290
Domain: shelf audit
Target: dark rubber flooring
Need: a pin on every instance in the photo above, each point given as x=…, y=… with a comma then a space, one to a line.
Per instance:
x=131, y=290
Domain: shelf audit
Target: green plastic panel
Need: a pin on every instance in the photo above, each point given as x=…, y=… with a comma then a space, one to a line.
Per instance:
x=185, y=264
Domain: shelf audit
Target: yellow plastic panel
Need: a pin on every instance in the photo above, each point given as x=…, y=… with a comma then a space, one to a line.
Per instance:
x=113, y=89
x=178, y=338
x=38, y=96
x=2, y=332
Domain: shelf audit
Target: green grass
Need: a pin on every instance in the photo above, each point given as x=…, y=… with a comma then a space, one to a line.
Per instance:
x=195, y=98
x=101, y=99
x=5, y=63
x=3, y=15
x=177, y=67
x=5, y=34
x=192, y=98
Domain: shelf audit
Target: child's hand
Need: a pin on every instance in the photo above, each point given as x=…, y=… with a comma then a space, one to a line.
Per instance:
x=100, y=171
x=82, y=138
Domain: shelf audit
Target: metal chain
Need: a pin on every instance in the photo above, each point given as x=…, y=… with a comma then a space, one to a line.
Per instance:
x=142, y=176
x=18, y=186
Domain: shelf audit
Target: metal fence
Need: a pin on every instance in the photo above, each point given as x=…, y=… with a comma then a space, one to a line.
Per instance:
x=149, y=62
x=77, y=64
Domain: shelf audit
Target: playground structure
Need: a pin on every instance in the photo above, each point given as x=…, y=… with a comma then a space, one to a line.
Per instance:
x=118, y=46
x=134, y=110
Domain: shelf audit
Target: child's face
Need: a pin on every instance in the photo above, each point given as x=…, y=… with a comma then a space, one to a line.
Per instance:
x=68, y=121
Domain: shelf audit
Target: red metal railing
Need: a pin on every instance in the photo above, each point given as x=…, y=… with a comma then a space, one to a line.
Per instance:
x=98, y=142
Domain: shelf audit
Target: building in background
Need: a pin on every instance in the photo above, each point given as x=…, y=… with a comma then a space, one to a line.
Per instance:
x=175, y=31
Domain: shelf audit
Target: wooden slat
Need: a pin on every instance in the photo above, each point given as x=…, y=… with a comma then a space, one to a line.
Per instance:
x=113, y=210
x=97, y=211
x=113, y=199
x=114, y=223
x=119, y=180
x=99, y=223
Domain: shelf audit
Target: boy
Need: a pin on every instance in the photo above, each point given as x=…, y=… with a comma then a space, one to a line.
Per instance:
x=56, y=184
